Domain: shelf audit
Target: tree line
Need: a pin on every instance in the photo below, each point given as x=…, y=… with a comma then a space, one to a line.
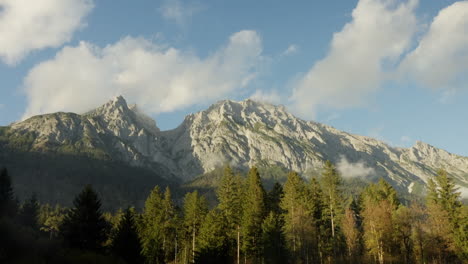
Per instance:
x=302, y=221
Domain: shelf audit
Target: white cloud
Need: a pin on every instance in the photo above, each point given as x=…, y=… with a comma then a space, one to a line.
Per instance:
x=27, y=25
x=179, y=12
x=271, y=97
x=352, y=170
x=406, y=139
x=380, y=31
x=157, y=78
x=463, y=192
x=292, y=49
x=441, y=58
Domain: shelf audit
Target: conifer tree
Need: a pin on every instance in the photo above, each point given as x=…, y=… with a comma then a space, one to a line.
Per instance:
x=274, y=244
x=294, y=210
x=126, y=242
x=254, y=212
x=151, y=232
x=195, y=210
x=8, y=205
x=273, y=199
x=230, y=205
x=214, y=243
x=331, y=181
x=169, y=226
x=84, y=226
x=29, y=213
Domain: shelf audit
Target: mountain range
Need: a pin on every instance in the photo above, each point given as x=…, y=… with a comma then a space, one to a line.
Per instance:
x=241, y=134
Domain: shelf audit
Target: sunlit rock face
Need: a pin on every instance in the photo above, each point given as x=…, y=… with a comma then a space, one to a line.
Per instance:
x=242, y=134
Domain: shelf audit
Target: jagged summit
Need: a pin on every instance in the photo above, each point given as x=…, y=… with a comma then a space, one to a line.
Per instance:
x=243, y=134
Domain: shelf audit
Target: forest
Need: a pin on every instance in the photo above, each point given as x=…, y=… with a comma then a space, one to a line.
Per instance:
x=300, y=221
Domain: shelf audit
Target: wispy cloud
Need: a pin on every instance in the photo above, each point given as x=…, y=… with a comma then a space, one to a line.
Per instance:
x=157, y=77
x=271, y=97
x=292, y=49
x=352, y=170
x=27, y=26
x=178, y=11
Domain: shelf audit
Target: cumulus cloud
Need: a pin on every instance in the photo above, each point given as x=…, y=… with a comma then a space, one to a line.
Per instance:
x=27, y=25
x=156, y=77
x=178, y=12
x=441, y=58
x=353, y=170
x=378, y=34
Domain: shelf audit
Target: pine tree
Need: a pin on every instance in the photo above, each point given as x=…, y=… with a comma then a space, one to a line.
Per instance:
x=169, y=226
x=274, y=244
x=214, y=243
x=8, y=205
x=294, y=210
x=331, y=181
x=29, y=213
x=126, y=242
x=254, y=212
x=151, y=232
x=195, y=210
x=230, y=205
x=84, y=226
x=273, y=199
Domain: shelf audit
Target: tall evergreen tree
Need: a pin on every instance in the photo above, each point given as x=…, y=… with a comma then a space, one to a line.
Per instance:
x=151, y=227
x=84, y=226
x=332, y=181
x=254, y=212
x=295, y=214
x=195, y=210
x=214, y=243
x=230, y=205
x=169, y=226
x=29, y=213
x=8, y=205
x=273, y=199
x=126, y=243
x=274, y=243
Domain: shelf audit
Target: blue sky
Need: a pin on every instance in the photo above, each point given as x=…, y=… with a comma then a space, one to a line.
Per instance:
x=388, y=69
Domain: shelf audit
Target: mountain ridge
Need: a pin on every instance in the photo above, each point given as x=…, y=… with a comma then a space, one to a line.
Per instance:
x=243, y=134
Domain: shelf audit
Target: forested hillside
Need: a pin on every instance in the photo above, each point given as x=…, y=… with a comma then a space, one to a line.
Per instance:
x=300, y=221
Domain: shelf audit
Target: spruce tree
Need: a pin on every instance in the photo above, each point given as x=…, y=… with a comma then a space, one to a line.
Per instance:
x=214, y=246
x=273, y=199
x=254, y=212
x=169, y=227
x=151, y=227
x=195, y=210
x=331, y=181
x=8, y=205
x=29, y=213
x=230, y=205
x=126, y=243
x=274, y=243
x=84, y=226
x=293, y=207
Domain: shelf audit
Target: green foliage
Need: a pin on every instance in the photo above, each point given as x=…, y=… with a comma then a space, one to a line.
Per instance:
x=253, y=214
x=8, y=205
x=126, y=242
x=84, y=226
x=195, y=210
x=151, y=232
x=273, y=240
x=29, y=213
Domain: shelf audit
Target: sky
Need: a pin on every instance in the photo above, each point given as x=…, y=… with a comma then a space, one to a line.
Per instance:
x=390, y=69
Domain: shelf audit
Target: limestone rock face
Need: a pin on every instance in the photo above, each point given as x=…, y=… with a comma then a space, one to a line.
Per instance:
x=242, y=134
